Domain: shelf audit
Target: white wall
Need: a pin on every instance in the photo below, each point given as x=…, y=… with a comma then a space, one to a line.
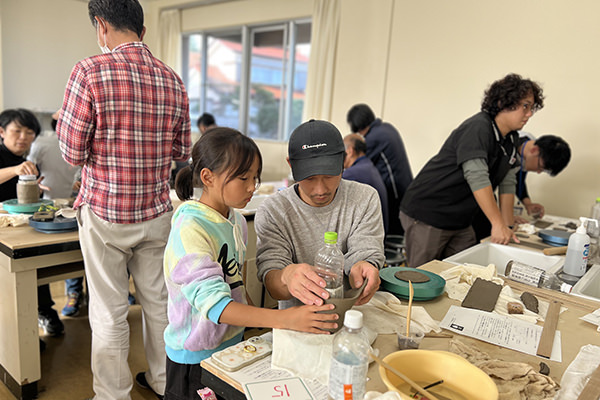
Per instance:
x=444, y=54
x=41, y=41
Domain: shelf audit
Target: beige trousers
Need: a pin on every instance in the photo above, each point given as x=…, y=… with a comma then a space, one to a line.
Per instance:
x=109, y=251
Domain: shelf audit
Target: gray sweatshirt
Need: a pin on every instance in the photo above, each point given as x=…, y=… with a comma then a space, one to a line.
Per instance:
x=289, y=231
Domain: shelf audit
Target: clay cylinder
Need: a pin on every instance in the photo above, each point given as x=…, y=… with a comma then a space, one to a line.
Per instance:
x=28, y=190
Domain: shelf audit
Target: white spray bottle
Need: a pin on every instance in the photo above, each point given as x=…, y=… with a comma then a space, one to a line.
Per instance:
x=578, y=250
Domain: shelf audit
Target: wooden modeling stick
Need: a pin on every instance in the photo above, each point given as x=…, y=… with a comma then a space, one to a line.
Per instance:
x=411, y=293
x=547, y=340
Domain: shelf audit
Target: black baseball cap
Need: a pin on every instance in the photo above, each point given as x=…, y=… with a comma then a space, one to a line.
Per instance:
x=316, y=148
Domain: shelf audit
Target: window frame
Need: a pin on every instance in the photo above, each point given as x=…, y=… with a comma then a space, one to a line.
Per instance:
x=247, y=31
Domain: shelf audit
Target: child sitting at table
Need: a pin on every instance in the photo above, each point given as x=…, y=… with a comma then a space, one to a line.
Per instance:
x=207, y=306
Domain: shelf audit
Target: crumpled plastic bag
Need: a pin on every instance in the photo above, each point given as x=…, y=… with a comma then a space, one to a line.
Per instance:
x=383, y=314
x=578, y=372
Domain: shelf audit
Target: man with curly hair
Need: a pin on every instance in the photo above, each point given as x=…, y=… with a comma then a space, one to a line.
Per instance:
x=479, y=156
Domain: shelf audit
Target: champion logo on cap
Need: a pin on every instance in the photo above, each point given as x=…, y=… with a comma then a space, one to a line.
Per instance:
x=313, y=146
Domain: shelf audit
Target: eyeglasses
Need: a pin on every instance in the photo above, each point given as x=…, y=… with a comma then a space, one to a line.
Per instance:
x=526, y=107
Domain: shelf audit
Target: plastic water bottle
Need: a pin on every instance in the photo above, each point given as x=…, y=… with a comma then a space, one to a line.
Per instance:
x=593, y=231
x=329, y=264
x=530, y=275
x=350, y=360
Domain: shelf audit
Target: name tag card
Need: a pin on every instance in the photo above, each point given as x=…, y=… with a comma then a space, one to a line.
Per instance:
x=278, y=389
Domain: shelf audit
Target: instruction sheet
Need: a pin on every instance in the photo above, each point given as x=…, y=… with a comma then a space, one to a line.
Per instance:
x=500, y=330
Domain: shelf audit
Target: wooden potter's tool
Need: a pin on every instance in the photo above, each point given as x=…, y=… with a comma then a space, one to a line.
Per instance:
x=547, y=340
x=411, y=293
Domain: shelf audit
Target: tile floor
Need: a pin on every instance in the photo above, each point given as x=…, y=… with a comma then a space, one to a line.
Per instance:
x=66, y=373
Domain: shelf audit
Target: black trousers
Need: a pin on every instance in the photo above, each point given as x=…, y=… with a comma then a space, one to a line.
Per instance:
x=44, y=298
x=183, y=381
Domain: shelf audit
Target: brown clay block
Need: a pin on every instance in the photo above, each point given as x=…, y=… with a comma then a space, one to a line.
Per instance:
x=530, y=302
x=514, y=307
x=483, y=295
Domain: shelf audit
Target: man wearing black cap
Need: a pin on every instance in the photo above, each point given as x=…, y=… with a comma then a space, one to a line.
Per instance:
x=290, y=225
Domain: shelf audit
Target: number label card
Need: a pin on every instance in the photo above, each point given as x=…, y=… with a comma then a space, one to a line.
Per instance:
x=278, y=389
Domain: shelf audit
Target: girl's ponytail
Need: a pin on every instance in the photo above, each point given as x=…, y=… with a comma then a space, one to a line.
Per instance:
x=184, y=185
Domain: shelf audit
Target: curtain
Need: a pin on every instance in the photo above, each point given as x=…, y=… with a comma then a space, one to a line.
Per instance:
x=169, y=39
x=321, y=66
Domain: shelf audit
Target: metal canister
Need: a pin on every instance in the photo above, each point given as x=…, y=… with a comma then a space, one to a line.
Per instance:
x=28, y=190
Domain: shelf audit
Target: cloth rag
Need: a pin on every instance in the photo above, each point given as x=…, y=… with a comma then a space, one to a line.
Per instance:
x=515, y=380
x=13, y=220
x=459, y=280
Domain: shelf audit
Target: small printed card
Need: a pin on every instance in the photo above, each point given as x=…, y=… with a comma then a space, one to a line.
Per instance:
x=284, y=388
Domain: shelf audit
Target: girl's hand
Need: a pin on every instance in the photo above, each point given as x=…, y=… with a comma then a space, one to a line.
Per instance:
x=306, y=319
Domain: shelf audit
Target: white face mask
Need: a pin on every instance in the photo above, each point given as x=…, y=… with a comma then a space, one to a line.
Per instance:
x=104, y=48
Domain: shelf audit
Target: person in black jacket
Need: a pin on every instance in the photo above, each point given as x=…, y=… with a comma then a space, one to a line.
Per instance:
x=386, y=150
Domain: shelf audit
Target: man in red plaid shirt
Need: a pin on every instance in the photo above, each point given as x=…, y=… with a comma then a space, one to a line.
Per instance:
x=125, y=118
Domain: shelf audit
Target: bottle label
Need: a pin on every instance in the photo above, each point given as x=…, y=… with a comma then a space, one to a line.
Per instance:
x=347, y=382
x=525, y=274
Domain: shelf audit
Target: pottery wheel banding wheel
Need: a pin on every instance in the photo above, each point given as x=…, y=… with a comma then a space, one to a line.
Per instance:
x=426, y=285
x=413, y=276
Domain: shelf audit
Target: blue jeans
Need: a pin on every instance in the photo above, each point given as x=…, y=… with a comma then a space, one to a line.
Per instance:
x=74, y=285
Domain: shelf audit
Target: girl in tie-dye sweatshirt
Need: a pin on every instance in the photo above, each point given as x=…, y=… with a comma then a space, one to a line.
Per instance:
x=204, y=257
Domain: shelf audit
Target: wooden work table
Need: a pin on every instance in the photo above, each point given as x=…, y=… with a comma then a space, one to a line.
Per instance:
x=28, y=259
x=575, y=333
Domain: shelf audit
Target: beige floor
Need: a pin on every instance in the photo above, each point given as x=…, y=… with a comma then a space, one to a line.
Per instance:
x=66, y=373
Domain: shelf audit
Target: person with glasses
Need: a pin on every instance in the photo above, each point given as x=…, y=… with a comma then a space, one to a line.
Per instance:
x=549, y=154
x=479, y=156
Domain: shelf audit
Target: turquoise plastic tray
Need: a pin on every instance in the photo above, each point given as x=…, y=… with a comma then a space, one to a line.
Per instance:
x=422, y=291
x=13, y=206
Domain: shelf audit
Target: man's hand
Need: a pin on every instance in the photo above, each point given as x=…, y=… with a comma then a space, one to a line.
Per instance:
x=43, y=188
x=502, y=234
x=520, y=220
x=304, y=284
x=535, y=210
x=358, y=273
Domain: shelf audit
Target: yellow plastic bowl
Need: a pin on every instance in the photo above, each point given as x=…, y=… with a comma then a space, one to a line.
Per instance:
x=462, y=380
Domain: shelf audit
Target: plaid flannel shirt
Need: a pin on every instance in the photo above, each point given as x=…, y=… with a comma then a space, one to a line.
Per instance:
x=125, y=118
